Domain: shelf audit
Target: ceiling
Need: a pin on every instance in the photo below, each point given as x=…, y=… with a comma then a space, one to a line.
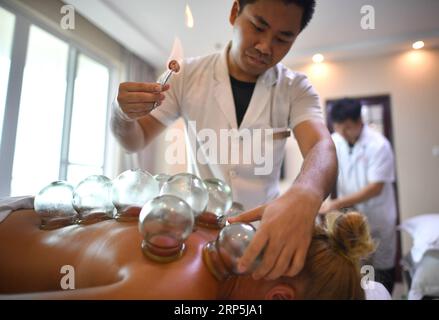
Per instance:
x=149, y=27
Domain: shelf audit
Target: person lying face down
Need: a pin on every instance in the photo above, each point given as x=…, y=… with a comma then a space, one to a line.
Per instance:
x=332, y=266
x=108, y=263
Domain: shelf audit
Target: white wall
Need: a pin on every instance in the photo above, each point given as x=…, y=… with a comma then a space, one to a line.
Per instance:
x=412, y=80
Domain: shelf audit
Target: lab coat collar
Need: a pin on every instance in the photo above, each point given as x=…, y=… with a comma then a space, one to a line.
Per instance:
x=224, y=96
x=363, y=139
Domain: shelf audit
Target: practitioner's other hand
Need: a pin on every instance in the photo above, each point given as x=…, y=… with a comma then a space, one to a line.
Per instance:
x=284, y=234
x=328, y=205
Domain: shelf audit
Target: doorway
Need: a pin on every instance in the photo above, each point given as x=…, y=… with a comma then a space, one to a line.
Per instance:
x=376, y=112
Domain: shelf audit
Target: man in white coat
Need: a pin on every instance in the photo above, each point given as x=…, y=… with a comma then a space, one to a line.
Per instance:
x=239, y=92
x=365, y=182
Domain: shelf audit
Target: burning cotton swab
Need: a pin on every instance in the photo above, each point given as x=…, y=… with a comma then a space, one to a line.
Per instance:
x=173, y=67
x=175, y=59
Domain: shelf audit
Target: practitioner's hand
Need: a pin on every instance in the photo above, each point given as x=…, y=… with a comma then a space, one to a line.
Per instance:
x=136, y=99
x=328, y=206
x=285, y=232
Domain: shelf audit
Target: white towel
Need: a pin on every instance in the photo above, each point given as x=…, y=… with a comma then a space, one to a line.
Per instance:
x=376, y=291
x=9, y=204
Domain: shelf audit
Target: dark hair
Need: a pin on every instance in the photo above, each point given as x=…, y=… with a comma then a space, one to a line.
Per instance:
x=307, y=5
x=345, y=109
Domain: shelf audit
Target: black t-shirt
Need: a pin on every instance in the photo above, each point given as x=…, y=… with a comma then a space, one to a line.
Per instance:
x=242, y=94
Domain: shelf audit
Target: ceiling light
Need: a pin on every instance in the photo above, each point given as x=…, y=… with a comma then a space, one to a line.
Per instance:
x=318, y=58
x=418, y=45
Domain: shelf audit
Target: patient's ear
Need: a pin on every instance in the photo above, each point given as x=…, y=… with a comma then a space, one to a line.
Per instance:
x=281, y=292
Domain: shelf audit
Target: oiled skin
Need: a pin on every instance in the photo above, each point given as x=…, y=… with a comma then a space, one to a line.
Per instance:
x=107, y=260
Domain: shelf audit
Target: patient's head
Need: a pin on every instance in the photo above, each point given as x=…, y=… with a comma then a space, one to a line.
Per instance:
x=332, y=266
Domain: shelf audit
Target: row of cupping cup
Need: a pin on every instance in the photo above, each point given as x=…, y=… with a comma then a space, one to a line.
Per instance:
x=98, y=198
x=166, y=222
x=166, y=208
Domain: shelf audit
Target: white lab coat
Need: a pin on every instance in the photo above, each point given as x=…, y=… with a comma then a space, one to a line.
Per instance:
x=371, y=160
x=201, y=92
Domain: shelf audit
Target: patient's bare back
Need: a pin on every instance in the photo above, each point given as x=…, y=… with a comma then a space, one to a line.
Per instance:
x=106, y=258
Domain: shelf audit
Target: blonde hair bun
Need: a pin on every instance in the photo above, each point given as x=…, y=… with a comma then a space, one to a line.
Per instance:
x=350, y=234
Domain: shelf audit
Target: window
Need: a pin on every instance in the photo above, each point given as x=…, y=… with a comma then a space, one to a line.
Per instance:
x=40, y=122
x=60, y=109
x=7, y=22
x=86, y=152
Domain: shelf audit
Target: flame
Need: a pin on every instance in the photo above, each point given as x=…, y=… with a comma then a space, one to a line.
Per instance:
x=189, y=17
x=176, y=52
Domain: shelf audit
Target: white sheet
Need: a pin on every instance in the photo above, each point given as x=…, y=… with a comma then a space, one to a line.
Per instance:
x=376, y=291
x=9, y=204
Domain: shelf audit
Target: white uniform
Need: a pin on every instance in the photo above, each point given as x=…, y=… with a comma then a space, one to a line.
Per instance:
x=202, y=92
x=371, y=160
